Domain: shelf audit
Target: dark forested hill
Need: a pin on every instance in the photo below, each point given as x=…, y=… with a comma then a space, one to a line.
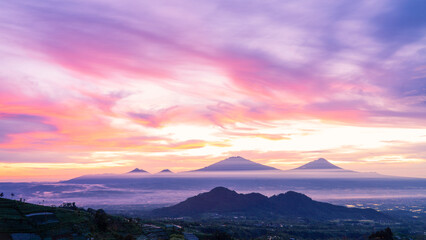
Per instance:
x=291, y=204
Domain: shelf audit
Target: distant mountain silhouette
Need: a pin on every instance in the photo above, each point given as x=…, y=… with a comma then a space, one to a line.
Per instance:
x=137, y=170
x=240, y=173
x=291, y=204
x=236, y=164
x=219, y=199
x=320, y=163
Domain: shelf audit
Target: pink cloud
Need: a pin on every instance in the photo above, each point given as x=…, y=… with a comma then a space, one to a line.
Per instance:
x=236, y=64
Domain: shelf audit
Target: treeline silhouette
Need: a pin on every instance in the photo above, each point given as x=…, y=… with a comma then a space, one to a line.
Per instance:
x=382, y=235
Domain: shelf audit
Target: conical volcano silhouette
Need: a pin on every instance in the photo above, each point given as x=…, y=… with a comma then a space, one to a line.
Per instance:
x=236, y=164
x=320, y=163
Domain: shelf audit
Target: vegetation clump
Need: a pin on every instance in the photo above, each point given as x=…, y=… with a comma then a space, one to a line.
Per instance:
x=382, y=235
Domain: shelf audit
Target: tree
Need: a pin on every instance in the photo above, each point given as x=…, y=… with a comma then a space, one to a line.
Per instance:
x=12, y=195
x=101, y=220
x=219, y=235
x=129, y=237
x=382, y=235
x=177, y=237
x=1, y=195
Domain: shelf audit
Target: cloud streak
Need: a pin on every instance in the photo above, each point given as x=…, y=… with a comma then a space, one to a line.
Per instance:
x=186, y=77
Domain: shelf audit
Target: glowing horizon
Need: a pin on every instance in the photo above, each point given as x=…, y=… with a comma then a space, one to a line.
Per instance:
x=106, y=86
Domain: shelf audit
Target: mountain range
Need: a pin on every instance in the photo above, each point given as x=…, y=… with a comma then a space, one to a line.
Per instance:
x=239, y=164
x=235, y=165
x=223, y=201
x=141, y=171
x=243, y=174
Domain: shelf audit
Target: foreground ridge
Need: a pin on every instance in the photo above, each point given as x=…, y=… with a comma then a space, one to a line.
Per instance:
x=221, y=200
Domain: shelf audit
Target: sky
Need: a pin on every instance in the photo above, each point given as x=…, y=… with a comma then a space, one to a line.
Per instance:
x=90, y=86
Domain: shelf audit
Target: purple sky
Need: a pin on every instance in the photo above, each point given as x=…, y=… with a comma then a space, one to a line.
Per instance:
x=106, y=86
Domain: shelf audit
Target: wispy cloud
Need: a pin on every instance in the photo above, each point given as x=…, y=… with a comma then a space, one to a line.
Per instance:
x=81, y=76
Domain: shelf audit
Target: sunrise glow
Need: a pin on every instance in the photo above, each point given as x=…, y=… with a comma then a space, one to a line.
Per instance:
x=107, y=86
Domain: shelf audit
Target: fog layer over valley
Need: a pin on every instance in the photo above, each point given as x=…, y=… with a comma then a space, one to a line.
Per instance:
x=319, y=179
